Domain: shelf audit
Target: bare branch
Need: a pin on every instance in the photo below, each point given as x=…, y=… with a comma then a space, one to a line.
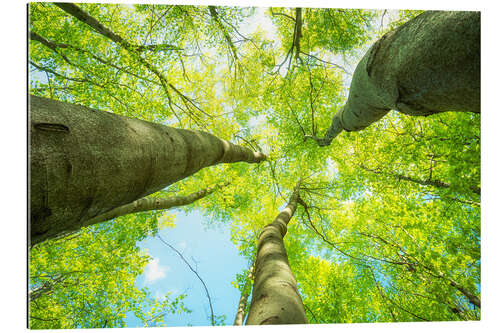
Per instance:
x=197, y=275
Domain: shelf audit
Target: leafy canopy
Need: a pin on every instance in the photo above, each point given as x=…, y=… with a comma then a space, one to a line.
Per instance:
x=391, y=226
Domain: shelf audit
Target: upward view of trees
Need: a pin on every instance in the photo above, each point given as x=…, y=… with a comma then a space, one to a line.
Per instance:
x=340, y=147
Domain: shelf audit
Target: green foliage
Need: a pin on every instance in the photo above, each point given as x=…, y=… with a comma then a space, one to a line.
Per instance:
x=87, y=280
x=393, y=211
x=324, y=29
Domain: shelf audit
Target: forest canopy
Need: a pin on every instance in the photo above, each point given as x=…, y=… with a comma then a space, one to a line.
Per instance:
x=388, y=222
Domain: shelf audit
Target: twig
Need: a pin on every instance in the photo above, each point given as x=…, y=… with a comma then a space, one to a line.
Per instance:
x=197, y=275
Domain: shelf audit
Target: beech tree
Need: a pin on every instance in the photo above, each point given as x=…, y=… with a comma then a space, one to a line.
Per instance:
x=430, y=64
x=151, y=203
x=275, y=297
x=76, y=175
x=388, y=222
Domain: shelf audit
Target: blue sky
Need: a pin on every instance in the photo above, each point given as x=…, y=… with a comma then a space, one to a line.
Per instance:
x=210, y=251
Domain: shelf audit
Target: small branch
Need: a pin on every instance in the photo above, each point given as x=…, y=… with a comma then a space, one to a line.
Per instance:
x=311, y=102
x=240, y=313
x=312, y=313
x=215, y=17
x=381, y=292
x=44, y=319
x=326, y=62
x=382, y=18
x=473, y=299
x=48, y=70
x=151, y=203
x=158, y=47
x=197, y=275
x=281, y=14
x=54, y=46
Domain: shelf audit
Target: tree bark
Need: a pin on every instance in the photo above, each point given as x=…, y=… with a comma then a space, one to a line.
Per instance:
x=147, y=204
x=298, y=31
x=85, y=162
x=275, y=297
x=240, y=313
x=428, y=65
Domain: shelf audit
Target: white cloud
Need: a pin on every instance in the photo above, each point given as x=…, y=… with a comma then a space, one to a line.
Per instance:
x=155, y=271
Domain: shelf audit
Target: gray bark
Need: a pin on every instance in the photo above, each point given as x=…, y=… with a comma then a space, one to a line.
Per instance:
x=147, y=204
x=240, y=313
x=275, y=297
x=428, y=65
x=85, y=162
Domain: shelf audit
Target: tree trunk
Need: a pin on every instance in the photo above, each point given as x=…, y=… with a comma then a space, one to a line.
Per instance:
x=275, y=297
x=147, y=204
x=85, y=162
x=428, y=65
x=240, y=313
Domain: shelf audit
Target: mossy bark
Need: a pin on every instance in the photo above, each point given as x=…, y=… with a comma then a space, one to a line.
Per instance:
x=85, y=162
x=428, y=65
x=275, y=297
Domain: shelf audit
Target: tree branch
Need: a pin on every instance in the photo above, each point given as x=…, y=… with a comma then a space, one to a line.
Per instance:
x=331, y=133
x=197, y=275
x=215, y=17
x=428, y=182
x=84, y=17
x=240, y=313
x=298, y=31
x=151, y=203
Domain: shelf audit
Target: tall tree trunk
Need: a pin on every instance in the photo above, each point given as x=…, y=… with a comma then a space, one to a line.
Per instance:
x=428, y=65
x=85, y=162
x=240, y=313
x=275, y=297
x=147, y=204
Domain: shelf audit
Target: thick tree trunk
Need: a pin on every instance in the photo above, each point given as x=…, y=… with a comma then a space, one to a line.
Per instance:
x=428, y=65
x=147, y=204
x=85, y=162
x=275, y=297
x=240, y=313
